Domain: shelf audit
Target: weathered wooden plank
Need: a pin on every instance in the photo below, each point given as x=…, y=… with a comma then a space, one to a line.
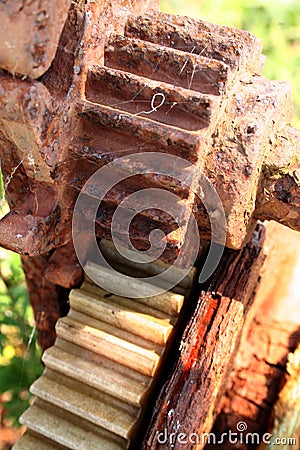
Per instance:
x=188, y=400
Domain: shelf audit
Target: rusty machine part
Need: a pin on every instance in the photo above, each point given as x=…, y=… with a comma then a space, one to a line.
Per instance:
x=63, y=117
x=60, y=130
x=90, y=107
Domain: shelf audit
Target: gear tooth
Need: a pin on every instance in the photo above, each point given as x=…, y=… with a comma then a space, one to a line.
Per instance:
x=167, y=65
x=26, y=109
x=237, y=48
x=102, y=368
x=218, y=134
x=27, y=29
x=30, y=228
x=279, y=194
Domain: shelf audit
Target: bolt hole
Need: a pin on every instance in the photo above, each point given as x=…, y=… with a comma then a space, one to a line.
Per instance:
x=251, y=129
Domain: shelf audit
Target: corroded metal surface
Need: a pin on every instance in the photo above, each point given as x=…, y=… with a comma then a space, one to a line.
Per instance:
x=116, y=82
x=30, y=33
x=121, y=84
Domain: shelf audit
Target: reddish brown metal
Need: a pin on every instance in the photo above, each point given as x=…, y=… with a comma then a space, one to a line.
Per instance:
x=30, y=33
x=49, y=301
x=99, y=69
x=89, y=108
x=37, y=122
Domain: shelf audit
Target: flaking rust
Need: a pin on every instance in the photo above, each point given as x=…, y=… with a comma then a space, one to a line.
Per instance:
x=82, y=84
x=92, y=104
x=30, y=33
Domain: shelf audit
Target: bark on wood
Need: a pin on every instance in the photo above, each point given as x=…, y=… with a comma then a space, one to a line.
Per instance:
x=187, y=401
x=272, y=331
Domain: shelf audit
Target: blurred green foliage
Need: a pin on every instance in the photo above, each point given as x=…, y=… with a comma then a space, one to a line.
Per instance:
x=19, y=352
x=276, y=22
